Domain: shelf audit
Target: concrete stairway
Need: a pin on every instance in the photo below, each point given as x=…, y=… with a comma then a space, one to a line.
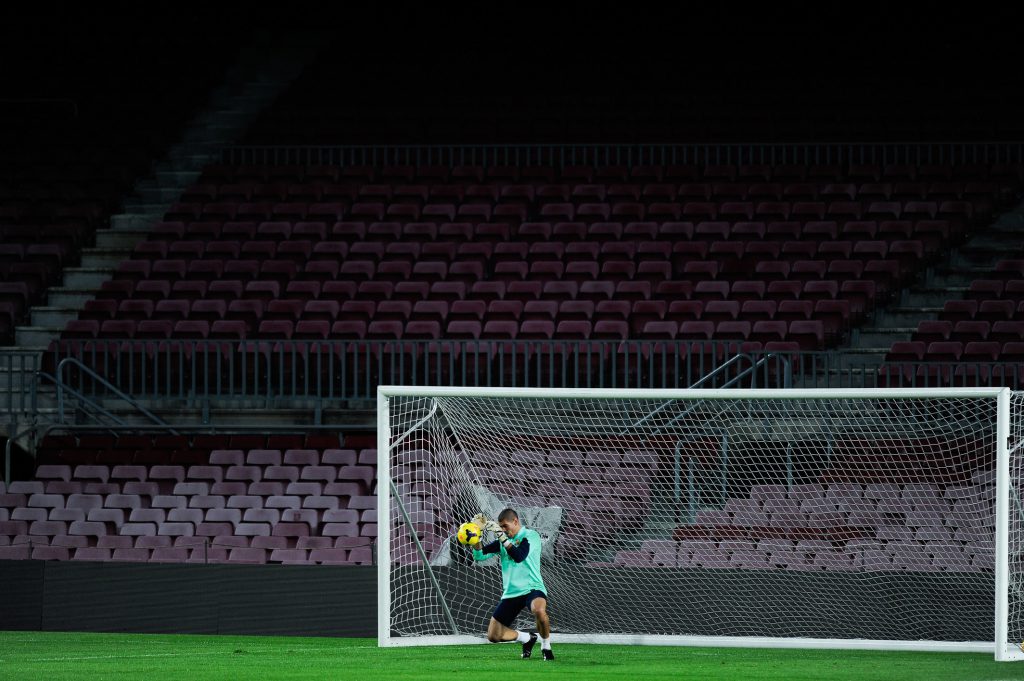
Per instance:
x=259, y=75
x=948, y=280
x=255, y=80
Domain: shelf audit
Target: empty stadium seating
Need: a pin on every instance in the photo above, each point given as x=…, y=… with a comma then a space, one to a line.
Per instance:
x=391, y=252
x=837, y=527
x=304, y=500
x=245, y=499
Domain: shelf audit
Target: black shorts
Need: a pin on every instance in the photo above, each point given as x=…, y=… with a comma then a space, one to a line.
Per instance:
x=509, y=608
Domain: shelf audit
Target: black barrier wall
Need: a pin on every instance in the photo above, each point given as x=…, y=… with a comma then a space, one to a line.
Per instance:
x=310, y=600
x=286, y=600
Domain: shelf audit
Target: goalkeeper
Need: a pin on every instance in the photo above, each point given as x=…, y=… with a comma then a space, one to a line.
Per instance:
x=519, y=549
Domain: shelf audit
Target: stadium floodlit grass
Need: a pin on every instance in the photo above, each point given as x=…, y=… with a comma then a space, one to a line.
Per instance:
x=53, y=656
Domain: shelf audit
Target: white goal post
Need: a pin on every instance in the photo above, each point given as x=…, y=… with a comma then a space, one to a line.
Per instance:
x=886, y=519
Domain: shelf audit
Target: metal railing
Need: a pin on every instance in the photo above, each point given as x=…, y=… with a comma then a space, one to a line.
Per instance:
x=950, y=374
x=18, y=383
x=72, y=363
x=753, y=363
x=197, y=370
x=27, y=401
x=955, y=153
x=200, y=372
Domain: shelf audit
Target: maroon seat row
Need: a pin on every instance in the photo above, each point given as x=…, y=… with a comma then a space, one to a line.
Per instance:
x=588, y=213
x=330, y=226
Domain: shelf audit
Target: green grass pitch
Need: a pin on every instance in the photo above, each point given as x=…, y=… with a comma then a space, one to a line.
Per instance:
x=53, y=656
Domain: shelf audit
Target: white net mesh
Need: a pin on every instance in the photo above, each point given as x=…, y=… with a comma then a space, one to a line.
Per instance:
x=821, y=518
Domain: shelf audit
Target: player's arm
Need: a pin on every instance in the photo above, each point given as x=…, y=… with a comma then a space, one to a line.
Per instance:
x=518, y=553
x=486, y=551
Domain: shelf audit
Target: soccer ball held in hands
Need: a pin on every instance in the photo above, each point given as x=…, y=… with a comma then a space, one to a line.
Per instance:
x=469, y=534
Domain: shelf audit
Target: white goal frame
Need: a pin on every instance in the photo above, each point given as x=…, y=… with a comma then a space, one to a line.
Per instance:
x=1002, y=650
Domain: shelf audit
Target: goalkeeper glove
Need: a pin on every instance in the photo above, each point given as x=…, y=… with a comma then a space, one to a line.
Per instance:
x=499, y=533
x=480, y=520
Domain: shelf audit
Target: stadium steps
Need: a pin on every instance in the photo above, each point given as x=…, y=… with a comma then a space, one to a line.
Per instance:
x=121, y=240
x=36, y=335
x=255, y=80
x=68, y=297
x=924, y=300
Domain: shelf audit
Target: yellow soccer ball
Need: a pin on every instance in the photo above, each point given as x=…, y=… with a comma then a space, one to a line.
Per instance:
x=469, y=534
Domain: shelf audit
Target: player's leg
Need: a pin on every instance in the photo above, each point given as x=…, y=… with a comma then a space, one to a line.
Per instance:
x=539, y=608
x=499, y=633
x=500, y=629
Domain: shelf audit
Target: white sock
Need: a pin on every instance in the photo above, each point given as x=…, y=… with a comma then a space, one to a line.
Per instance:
x=522, y=637
x=545, y=643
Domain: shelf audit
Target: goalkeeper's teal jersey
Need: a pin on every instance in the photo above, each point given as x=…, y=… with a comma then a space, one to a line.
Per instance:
x=519, y=578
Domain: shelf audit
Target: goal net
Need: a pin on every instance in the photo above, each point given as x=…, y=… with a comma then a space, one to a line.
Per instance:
x=888, y=519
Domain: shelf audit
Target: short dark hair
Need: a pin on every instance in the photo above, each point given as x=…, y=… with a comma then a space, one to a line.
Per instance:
x=508, y=514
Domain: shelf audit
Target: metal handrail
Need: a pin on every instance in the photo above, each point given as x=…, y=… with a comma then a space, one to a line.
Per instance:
x=58, y=380
x=83, y=398
x=735, y=359
x=787, y=381
x=335, y=369
x=331, y=371
x=737, y=378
